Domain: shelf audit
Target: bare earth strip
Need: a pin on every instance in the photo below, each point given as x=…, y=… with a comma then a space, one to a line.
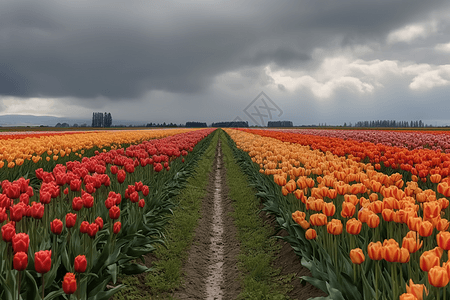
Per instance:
x=211, y=269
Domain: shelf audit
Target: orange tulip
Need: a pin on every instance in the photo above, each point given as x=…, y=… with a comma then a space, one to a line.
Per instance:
x=443, y=240
x=428, y=260
x=391, y=253
x=357, y=256
x=416, y=289
x=435, y=178
x=363, y=214
x=291, y=186
x=329, y=209
x=353, y=226
x=351, y=198
x=300, y=195
x=310, y=234
x=431, y=209
x=348, y=210
x=334, y=227
x=304, y=224
x=332, y=193
x=373, y=221
x=407, y=296
x=375, y=251
x=318, y=219
x=411, y=244
x=442, y=225
x=443, y=202
x=404, y=255
x=284, y=191
x=377, y=206
x=438, y=276
x=413, y=223
x=388, y=214
x=425, y=228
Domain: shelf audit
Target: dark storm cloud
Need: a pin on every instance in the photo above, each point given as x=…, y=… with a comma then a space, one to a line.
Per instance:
x=120, y=50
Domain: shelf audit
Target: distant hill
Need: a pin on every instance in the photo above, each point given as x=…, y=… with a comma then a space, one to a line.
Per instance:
x=32, y=120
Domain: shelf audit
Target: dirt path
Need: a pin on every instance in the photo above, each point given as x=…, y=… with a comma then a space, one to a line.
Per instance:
x=211, y=269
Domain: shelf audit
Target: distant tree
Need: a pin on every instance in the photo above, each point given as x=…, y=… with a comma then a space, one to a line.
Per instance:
x=75, y=125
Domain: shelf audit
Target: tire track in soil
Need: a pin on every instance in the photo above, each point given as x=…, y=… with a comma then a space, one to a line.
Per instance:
x=211, y=269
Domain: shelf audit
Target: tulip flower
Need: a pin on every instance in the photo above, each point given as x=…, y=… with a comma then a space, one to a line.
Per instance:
x=80, y=264
x=141, y=203
x=99, y=222
x=88, y=200
x=20, y=242
x=334, y=227
x=117, y=227
x=348, y=210
x=391, y=252
x=56, y=226
x=37, y=210
x=411, y=244
x=353, y=226
x=77, y=203
x=20, y=261
x=357, y=256
x=428, y=260
x=16, y=212
x=310, y=234
x=408, y=296
x=404, y=255
x=71, y=220
x=121, y=175
x=43, y=261
x=416, y=289
x=84, y=227
x=443, y=240
x=438, y=276
x=114, y=212
x=373, y=221
x=92, y=230
x=69, y=284
x=425, y=228
x=329, y=209
x=8, y=232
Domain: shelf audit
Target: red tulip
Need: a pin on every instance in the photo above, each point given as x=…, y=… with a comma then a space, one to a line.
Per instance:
x=75, y=185
x=37, y=210
x=20, y=261
x=84, y=227
x=141, y=203
x=8, y=231
x=88, y=200
x=121, y=175
x=43, y=261
x=134, y=197
x=99, y=222
x=92, y=230
x=145, y=190
x=69, y=284
x=77, y=203
x=117, y=227
x=80, y=264
x=45, y=197
x=114, y=212
x=16, y=212
x=56, y=226
x=71, y=220
x=114, y=170
x=20, y=242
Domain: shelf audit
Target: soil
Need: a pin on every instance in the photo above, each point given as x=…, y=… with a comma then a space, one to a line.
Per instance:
x=211, y=269
x=290, y=263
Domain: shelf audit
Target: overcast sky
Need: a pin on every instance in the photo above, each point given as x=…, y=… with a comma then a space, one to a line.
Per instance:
x=176, y=61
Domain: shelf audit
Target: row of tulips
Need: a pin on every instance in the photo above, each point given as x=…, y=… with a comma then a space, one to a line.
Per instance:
x=13, y=135
x=419, y=162
x=363, y=234
x=15, y=152
x=90, y=219
x=434, y=140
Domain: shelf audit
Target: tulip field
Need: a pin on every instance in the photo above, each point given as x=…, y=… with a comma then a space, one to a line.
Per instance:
x=367, y=212
x=79, y=208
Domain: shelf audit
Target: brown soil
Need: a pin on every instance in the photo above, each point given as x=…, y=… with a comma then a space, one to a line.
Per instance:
x=211, y=269
x=290, y=263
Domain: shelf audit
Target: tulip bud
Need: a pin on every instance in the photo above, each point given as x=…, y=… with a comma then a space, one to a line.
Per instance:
x=310, y=234
x=117, y=227
x=20, y=261
x=80, y=264
x=71, y=219
x=43, y=261
x=357, y=256
x=56, y=226
x=69, y=284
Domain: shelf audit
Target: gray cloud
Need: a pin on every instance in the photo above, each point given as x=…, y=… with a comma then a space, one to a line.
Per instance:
x=122, y=51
